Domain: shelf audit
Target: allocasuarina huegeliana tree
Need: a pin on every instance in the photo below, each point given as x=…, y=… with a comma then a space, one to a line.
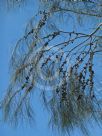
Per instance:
x=56, y=55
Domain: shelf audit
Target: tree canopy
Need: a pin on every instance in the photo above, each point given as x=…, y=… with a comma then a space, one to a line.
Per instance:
x=56, y=55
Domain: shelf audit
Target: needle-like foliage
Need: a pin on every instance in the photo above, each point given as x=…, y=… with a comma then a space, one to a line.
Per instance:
x=59, y=62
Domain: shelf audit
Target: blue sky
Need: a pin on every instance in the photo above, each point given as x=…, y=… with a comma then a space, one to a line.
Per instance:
x=12, y=26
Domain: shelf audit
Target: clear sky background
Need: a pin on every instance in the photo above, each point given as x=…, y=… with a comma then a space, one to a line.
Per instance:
x=12, y=26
